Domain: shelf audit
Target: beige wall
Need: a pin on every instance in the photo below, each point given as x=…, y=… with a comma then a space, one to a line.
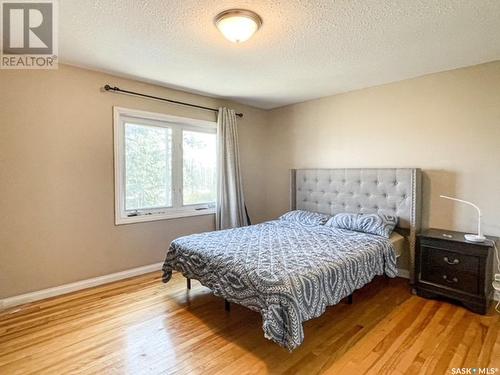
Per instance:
x=447, y=123
x=56, y=173
x=56, y=161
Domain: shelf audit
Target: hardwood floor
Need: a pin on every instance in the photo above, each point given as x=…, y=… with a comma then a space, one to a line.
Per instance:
x=141, y=326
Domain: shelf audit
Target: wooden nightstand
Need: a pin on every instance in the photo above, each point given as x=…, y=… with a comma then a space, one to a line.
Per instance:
x=449, y=266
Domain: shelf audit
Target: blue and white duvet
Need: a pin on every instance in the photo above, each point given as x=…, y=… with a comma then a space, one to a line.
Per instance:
x=287, y=271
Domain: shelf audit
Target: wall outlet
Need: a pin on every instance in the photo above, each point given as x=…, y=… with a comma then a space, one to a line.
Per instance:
x=496, y=295
x=496, y=285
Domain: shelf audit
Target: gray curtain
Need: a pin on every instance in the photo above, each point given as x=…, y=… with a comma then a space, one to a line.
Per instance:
x=230, y=200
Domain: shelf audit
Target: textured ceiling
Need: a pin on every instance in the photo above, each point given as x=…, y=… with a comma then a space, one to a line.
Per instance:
x=304, y=50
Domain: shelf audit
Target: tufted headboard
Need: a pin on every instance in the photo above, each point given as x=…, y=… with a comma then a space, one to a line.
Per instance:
x=392, y=191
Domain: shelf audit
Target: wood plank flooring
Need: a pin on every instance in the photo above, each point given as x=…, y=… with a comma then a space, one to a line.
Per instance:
x=141, y=326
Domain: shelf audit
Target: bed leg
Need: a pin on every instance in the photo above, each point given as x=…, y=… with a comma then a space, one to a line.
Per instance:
x=188, y=282
x=349, y=299
x=227, y=305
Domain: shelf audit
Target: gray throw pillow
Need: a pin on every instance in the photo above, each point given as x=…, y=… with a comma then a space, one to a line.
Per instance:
x=305, y=217
x=380, y=225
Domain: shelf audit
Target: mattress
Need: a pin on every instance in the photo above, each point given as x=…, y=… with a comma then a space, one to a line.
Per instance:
x=287, y=271
x=398, y=243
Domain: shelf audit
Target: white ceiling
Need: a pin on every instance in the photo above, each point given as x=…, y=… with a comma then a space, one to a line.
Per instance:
x=304, y=50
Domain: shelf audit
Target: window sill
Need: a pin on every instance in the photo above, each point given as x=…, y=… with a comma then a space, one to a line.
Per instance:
x=163, y=216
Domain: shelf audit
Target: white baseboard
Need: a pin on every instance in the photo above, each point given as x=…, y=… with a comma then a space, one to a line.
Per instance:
x=88, y=283
x=78, y=285
x=403, y=273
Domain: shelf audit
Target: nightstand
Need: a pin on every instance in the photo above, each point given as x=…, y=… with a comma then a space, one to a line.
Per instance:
x=449, y=266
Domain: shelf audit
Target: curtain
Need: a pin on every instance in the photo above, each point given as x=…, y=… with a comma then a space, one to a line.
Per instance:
x=231, y=210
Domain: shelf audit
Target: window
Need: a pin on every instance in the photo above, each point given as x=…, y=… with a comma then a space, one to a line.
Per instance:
x=165, y=166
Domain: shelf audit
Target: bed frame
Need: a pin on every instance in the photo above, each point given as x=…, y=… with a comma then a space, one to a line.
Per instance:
x=391, y=191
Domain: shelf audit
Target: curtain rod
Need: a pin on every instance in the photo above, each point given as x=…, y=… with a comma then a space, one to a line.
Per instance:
x=121, y=91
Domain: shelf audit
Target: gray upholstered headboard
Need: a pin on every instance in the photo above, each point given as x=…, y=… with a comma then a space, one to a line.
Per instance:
x=392, y=191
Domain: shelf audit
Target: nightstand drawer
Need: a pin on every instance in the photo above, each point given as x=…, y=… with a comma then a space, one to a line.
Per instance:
x=449, y=260
x=459, y=280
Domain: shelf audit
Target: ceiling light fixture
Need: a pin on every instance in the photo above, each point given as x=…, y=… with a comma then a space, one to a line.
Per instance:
x=238, y=25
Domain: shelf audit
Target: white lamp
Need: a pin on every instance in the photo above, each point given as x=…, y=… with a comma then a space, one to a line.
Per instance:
x=479, y=237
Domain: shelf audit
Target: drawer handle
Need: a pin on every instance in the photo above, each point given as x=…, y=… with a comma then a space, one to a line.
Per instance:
x=452, y=281
x=454, y=261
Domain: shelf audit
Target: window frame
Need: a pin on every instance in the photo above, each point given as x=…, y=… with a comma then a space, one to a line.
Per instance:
x=177, y=124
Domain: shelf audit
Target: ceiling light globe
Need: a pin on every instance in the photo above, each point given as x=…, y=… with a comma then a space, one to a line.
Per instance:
x=238, y=25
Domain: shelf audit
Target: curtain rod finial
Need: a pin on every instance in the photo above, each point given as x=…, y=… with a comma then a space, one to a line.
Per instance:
x=110, y=88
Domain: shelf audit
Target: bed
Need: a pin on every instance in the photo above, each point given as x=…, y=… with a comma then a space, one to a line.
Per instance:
x=290, y=272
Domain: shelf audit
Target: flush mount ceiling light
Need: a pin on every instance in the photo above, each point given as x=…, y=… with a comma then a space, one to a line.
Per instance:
x=238, y=25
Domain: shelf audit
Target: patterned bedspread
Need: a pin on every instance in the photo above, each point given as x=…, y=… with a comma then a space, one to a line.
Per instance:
x=286, y=271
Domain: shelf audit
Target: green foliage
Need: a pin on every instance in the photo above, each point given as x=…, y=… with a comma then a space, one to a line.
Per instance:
x=148, y=171
x=199, y=169
x=148, y=155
